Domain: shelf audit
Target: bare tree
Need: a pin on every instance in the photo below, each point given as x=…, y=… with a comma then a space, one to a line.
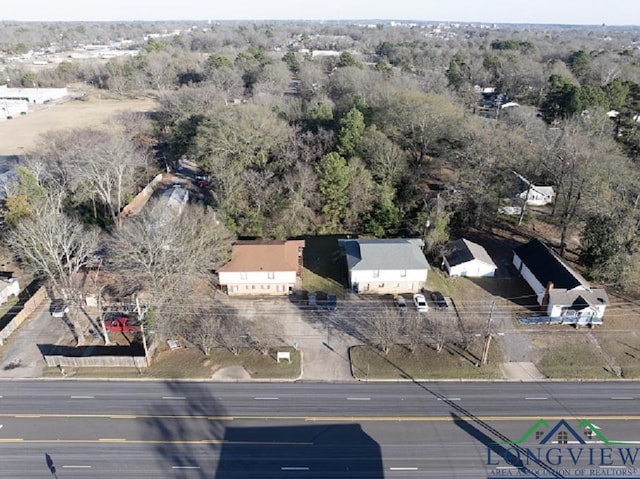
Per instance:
x=167, y=255
x=414, y=327
x=205, y=330
x=55, y=246
x=93, y=164
x=384, y=329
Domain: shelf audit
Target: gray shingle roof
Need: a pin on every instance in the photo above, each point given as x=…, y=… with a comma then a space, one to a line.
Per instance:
x=384, y=254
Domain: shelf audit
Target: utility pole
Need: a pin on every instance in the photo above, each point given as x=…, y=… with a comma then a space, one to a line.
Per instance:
x=487, y=336
x=524, y=204
x=144, y=336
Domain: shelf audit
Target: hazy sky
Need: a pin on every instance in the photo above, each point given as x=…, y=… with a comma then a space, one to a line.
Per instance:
x=591, y=12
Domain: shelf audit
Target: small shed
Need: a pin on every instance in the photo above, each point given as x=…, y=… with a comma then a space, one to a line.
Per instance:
x=466, y=258
x=8, y=287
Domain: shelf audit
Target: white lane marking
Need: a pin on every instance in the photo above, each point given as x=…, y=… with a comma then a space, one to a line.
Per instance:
x=403, y=468
x=173, y=397
x=185, y=467
x=622, y=397
x=536, y=399
x=358, y=399
x=506, y=467
x=83, y=397
x=294, y=468
x=266, y=399
x=77, y=467
x=448, y=399
x=613, y=467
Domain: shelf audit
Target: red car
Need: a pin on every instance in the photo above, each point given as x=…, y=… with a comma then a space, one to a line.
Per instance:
x=123, y=324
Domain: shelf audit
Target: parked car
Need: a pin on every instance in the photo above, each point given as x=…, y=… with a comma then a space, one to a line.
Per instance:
x=420, y=302
x=438, y=300
x=401, y=304
x=312, y=299
x=123, y=324
x=58, y=308
x=332, y=302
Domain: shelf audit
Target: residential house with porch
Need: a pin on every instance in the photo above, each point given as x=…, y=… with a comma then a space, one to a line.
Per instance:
x=263, y=267
x=385, y=265
x=563, y=294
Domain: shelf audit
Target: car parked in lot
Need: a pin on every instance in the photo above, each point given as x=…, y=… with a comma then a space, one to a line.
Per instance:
x=312, y=299
x=420, y=302
x=122, y=324
x=439, y=300
x=58, y=308
x=400, y=303
x=332, y=302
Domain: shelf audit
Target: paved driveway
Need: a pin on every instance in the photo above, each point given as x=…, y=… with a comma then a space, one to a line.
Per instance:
x=20, y=356
x=325, y=350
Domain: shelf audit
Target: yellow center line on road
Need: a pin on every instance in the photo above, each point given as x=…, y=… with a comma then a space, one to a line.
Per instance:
x=323, y=418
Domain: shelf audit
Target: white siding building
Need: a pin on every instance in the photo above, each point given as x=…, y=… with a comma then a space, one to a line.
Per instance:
x=562, y=293
x=465, y=258
x=32, y=95
x=385, y=265
x=263, y=268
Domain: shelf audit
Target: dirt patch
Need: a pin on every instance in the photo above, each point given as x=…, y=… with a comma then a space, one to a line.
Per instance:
x=20, y=134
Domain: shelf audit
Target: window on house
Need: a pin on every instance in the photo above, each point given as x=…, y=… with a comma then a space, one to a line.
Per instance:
x=271, y=275
x=376, y=273
x=243, y=275
x=539, y=435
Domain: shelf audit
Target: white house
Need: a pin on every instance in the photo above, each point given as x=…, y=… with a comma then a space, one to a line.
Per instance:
x=385, y=265
x=538, y=195
x=562, y=293
x=8, y=287
x=263, y=267
x=465, y=258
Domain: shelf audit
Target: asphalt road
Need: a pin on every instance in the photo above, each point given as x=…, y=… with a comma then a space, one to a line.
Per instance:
x=85, y=429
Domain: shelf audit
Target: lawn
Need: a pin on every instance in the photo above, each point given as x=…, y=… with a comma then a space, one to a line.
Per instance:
x=574, y=360
x=324, y=263
x=314, y=282
x=190, y=363
x=423, y=363
x=626, y=350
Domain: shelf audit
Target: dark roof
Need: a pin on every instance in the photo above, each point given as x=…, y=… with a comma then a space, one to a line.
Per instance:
x=462, y=251
x=547, y=267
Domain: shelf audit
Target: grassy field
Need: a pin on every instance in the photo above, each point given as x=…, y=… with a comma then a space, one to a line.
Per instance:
x=576, y=360
x=423, y=363
x=190, y=363
x=20, y=134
